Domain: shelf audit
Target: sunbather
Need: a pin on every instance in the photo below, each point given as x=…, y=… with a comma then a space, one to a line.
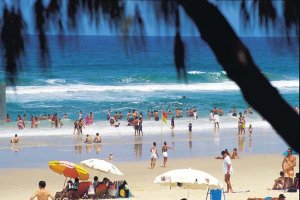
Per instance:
x=42, y=193
x=279, y=182
x=14, y=139
x=234, y=154
x=97, y=138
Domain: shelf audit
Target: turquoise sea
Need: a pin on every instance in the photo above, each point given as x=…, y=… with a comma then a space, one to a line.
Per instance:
x=99, y=73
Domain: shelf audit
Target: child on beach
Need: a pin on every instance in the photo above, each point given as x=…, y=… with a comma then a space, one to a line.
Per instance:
x=14, y=139
x=42, y=193
x=97, y=138
x=234, y=154
x=110, y=157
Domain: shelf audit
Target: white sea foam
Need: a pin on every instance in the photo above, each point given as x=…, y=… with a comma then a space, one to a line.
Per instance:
x=202, y=125
x=196, y=72
x=287, y=85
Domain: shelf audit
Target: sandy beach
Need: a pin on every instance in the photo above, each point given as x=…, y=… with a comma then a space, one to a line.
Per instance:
x=255, y=173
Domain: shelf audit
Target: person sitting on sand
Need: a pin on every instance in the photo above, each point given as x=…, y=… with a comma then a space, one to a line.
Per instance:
x=71, y=189
x=42, y=193
x=296, y=184
x=97, y=138
x=14, y=139
x=279, y=182
x=234, y=154
x=110, y=157
x=89, y=139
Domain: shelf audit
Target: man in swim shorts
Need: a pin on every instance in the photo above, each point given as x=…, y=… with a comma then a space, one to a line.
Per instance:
x=165, y=153
x=288, y=164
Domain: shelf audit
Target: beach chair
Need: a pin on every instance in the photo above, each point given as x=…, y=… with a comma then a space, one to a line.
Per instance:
x=215, y=194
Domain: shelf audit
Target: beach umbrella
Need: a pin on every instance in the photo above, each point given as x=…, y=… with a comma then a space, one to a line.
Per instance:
x=286, y=153
x=69, y=169
x=102, y=165
x=189, y=179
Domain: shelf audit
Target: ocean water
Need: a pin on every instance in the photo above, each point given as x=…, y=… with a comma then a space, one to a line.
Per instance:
x=96, y=74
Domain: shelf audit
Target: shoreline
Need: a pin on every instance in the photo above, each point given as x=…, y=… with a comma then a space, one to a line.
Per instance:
x=136, y=148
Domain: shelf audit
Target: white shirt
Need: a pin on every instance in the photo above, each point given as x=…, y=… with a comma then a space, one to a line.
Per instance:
x=227, y=162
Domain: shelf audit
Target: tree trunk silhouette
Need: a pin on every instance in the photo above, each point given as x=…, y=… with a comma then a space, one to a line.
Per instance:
x=240, y=67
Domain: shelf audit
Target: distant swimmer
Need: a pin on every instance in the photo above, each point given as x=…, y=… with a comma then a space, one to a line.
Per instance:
x=183, y=97
x=14, y=139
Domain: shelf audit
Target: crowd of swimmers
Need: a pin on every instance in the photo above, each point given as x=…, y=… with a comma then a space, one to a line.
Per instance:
x=135, y=118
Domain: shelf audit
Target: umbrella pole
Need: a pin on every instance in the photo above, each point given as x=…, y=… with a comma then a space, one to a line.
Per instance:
x=188, y=197
x=65, y=183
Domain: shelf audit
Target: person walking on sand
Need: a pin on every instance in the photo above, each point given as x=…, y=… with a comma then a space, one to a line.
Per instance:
x=288, y=164
x=165, y=153
x=227, y=170
x=154, y=155
x=42, y=193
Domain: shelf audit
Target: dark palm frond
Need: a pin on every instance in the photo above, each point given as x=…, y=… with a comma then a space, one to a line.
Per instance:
x=12, y=42
x=291, y=16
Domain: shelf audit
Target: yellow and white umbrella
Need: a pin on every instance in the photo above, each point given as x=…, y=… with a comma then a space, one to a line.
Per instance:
x=69, y=169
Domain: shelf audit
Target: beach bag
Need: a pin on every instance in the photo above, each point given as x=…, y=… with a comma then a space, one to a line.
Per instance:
x=122, y=193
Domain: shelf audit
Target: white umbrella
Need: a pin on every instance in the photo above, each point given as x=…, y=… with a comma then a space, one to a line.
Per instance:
x=102, y=165
x=189, y=179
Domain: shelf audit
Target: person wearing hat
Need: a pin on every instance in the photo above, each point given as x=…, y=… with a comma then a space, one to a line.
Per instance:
x=281, y=197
